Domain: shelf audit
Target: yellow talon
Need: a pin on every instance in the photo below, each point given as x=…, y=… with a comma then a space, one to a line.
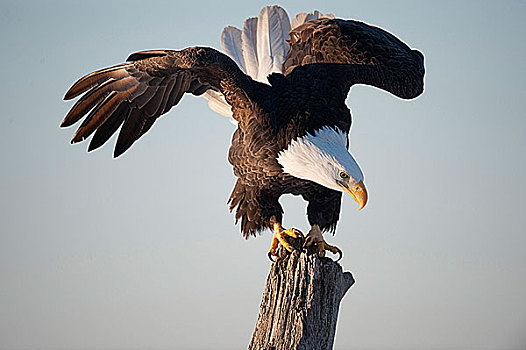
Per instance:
x=282, y=236
x=292, y=232
x=315, y=238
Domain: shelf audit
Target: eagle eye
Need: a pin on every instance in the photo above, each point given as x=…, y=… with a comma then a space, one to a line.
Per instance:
x=344, y=175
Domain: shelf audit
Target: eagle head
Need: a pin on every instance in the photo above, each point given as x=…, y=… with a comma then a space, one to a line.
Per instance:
x=323, y=158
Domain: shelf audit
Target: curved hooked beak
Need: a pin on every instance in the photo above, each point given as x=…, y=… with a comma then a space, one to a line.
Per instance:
x=358, y=192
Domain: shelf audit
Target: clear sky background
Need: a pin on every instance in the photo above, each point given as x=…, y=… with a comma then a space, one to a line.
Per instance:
x=141, y=252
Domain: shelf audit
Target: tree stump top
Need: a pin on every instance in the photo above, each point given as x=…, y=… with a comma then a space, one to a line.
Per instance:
x=299, y=307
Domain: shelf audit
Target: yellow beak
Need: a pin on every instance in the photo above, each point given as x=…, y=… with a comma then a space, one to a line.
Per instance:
x=358, y=192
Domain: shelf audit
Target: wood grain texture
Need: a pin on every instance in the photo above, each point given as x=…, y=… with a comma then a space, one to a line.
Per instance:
x=299, y=307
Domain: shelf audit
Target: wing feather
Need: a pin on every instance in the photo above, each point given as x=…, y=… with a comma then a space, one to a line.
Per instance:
x=94, y=79
x=90, y=99
x=109, y=127
x=97, y=116
x=164, y=102
x=130, y=131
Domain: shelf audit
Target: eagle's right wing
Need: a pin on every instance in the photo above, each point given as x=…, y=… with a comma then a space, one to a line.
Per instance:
x=136, y=93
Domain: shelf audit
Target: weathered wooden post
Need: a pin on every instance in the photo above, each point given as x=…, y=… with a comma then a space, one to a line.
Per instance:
x=299, y=307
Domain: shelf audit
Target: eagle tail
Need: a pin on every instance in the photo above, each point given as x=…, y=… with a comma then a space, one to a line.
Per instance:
x=304, y=17
x=259, y=48
x=217, y=103
x=273, y=30
x=231, y=45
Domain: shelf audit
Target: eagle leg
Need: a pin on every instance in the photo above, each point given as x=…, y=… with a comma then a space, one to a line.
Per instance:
x=284, y=237
x=315, y=237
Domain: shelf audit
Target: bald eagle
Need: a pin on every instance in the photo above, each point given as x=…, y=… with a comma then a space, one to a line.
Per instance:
x=285, y=85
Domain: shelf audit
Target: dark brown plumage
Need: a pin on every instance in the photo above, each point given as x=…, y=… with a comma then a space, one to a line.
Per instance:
x=326, y=57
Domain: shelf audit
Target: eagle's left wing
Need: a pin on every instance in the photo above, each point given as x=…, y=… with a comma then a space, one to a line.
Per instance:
x=353, y=52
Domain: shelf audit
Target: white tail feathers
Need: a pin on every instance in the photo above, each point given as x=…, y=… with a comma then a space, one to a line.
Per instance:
x=259, y=49
x=217, y=103
x=305, y=17
x=272, y=32
x=230, y=39
x=249, y=46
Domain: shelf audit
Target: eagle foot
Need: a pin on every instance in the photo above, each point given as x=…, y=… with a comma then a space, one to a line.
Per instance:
x=314, y=241
x=290, y=239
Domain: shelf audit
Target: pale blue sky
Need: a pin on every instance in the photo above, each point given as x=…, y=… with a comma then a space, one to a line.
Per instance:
x=137, y=253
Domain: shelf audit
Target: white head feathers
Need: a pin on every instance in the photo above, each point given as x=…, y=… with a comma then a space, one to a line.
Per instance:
x=320, y=158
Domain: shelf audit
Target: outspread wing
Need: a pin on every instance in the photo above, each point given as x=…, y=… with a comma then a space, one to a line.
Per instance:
x=360, y=54
x=136, y=93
